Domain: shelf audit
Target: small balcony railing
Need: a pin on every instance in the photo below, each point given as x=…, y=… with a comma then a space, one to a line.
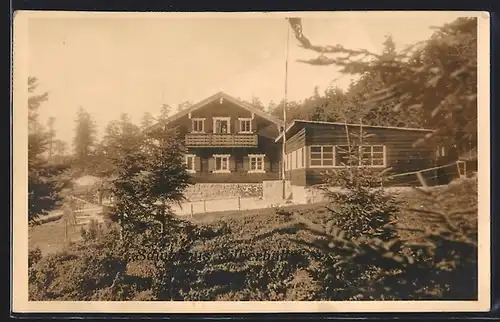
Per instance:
x=221, y=140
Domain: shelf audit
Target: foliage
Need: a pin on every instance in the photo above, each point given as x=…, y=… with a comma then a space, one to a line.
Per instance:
x=251, y=257
x=151, y=175
x=164, y=112
x=45, y=180
x=436, y=79
x=150, y=178
x=45, y=184
x=361, y=207
x=147, y=120
x=184, y=105
x=79, y=272
x=256, y=102
x=34, y=102
x=428, y=265
x=120, y=138
x=34, y=256
x=85, y=139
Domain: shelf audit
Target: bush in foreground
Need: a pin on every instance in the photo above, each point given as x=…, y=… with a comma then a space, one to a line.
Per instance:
x=438, y=261
x=253, y=258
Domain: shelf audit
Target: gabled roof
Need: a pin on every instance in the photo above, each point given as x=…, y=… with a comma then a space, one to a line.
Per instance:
x=298, y=123
x=224, y=96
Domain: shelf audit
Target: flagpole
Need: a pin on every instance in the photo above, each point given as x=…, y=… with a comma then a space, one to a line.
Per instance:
x=284, y=111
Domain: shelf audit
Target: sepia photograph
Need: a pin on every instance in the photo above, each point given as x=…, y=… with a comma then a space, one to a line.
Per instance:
x=251, y=162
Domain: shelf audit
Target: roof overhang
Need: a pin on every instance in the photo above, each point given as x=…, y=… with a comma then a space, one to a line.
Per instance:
x=221, y=96
x=288, y=129
x=302, y=123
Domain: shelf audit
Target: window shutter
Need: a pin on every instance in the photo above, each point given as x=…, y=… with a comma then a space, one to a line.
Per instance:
x=232, y=164
x=267, y=164
x=254, y=125
x=211, y=164
x=197, y=164
x=236, y=125
x=246, y=164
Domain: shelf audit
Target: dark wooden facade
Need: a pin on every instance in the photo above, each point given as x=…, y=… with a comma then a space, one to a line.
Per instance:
x=250, y=147
x=385, y=147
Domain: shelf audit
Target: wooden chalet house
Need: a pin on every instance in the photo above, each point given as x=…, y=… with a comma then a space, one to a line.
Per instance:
x=313, y=147
x=229, y=141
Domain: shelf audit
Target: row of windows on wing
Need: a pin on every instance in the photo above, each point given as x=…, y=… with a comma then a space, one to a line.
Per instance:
x=221, y=163
x=221, y=125
x=337, y=156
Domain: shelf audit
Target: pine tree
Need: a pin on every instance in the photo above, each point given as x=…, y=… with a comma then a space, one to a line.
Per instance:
x=85, y=139
x=52, y=135
x=44, y=180
x=149, y=179
x=434, y=81
x=121, y=137
x=147, y=120
x=255, y=101
x=164, y=112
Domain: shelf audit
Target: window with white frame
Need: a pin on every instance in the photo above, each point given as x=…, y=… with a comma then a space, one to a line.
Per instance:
x=198, y=125
x=345, y=155
x=256, y=162
x=372, y=155
x=321, y=156
x=245, y=125
x=298, y=158
x=190, y=162
x=303, y=149
x=222, y=125
x=366, y=155
x=221, y=163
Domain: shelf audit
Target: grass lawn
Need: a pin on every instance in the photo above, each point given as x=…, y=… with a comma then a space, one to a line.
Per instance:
x=262, y=232
x=246, y=225
x=50, y=236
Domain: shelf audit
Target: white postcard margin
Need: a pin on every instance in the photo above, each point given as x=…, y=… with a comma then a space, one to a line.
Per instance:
x=19, y=288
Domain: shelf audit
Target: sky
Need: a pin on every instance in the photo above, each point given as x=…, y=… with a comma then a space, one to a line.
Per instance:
x=134, y=64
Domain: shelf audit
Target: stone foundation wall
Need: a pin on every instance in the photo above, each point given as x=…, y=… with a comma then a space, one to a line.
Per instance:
x=207, y=191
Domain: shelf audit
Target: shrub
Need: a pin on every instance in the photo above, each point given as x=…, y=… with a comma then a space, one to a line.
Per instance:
x=93, y=230
x=362, y=208
x=438, y=262
x=34, y=256
x=80, y=271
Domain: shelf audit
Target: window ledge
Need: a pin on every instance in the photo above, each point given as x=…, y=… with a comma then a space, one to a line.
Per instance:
x=256, y=171
x=191, y=171
x=347, y=166
x=221, y=171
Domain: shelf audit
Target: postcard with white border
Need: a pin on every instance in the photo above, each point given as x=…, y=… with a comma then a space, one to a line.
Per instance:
x=251, y=162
